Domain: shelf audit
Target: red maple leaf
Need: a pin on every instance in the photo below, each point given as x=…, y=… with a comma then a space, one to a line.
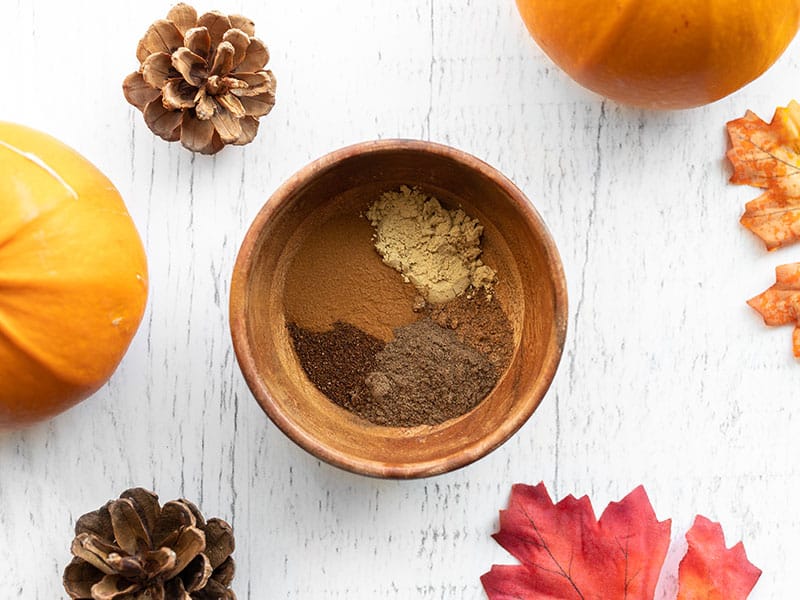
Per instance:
x=709, y=571
x=767, y=155
x=568, y=554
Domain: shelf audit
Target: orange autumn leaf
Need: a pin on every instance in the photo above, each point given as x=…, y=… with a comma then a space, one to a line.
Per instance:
x=780, y=304
x=710, y=571
x=768, y=156
x=566, y=553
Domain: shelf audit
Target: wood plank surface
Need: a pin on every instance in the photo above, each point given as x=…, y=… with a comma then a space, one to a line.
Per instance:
x=667, y=379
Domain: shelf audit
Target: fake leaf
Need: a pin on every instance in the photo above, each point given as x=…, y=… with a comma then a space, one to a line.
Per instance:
x=768, y=156
x=709, y=571
x=568, y=554
x=780, y=304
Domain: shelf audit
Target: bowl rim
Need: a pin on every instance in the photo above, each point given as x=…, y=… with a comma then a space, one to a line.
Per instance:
x=473, y=450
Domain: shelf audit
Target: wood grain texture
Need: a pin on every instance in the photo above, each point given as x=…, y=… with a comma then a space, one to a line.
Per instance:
x=667, y=379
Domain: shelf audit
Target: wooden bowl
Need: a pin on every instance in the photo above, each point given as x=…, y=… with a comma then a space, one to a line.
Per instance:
x=266, y=288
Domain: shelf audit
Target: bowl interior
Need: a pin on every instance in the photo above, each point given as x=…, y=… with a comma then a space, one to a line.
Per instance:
x=309, y=258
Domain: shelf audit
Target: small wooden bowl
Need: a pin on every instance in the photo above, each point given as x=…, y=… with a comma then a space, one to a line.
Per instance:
x=341, y=185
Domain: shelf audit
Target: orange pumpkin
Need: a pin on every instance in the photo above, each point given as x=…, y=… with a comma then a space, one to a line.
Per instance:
x=73, y=277
x=662, y=53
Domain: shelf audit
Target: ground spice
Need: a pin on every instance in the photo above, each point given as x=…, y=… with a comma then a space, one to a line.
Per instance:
x=426, y=376
x=336, y=275
x=436, y=249
x=480, y=322
x=337, y=361
x=362, y=337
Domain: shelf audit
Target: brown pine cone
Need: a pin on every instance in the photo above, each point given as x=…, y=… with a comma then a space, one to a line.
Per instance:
x=202, y=80
x=134, y=549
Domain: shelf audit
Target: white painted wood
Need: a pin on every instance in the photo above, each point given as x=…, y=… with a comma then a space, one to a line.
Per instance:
x=668, y=378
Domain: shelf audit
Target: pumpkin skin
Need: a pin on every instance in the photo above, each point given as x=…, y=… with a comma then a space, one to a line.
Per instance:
x=73, y=277
x=662, y=54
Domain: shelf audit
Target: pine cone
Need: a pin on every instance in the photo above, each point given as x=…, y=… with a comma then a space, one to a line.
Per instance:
x=134, y=549
x=202, y=80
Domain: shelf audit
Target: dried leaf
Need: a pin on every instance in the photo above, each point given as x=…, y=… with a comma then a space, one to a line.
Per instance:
x=768, y=156
x=780, y=304
x=566, y=553
x=709, y=570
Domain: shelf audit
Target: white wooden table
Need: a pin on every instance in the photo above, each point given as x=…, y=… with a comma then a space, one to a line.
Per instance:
x=667, y=379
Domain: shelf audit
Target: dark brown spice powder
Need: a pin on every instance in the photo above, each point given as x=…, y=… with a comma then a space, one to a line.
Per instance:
x=434, y=369
x=337, y=361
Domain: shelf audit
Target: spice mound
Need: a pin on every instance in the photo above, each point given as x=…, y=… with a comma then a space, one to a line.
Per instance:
x=480, y=323
x=337, y=362
x=454, y=341
x=425, y=376
x=436, y=249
